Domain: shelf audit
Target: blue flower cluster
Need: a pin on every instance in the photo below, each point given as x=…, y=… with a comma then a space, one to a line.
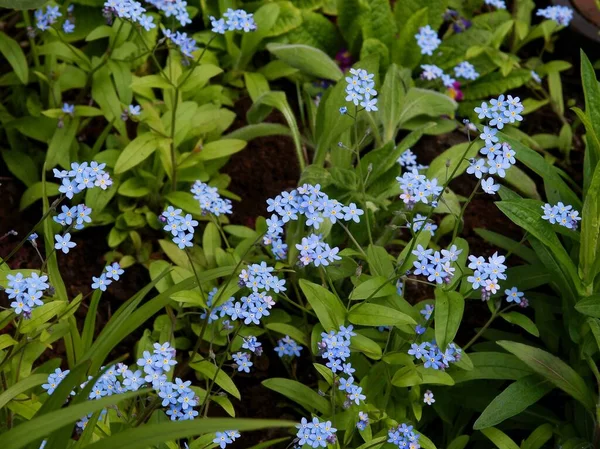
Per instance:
x=335, y=348
x=427, y=311
x=361, y=89
x=252, y=344
x=417, y=188
x=309, y=201
x=242, y=361
x=233, y=20
x=27, y=292
x=112, y=273
x=186, y=45
x=404, y=437
x=466, y=70
x=225, y=438
x=500, y=155
x=500, y=4
x=258, y=277
x=128, y=10
x=316, y=251
x=463, y=70
x=432, y=355
x=75, y=216
x=487, y=275
x=176, y=8
x=420, y=221
x=54, y=379
x=561, y=214
x=210, y=200
x=181, y=227
x=427, y=40
x=408, y=160
x=315, y=433
x=82, y=176
x=44, y=20
x=287, y=346
x=436, y=266
x=363, y=421
x=560, y=14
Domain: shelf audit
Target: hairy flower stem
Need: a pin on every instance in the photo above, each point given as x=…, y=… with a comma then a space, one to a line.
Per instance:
x=462, y=211
x=361, y=175
x=51, y=209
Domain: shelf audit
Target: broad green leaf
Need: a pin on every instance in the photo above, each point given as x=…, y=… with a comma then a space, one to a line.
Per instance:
x=380, y=262
x=309, y=60
x=250, y=132
x=589, y=306
x=513, y=400
x=299, y=393
x=22, y=5
x=221, y=148
x=21, y=387
x=367, y=346
x=134, y=188
x=138, y=150
x=449, y=309
x=367, y=314
x=105, y=94
x=590, y=229
x=211, y=240
x=499, y=438
x=13, y=53
x=390, y=104
x=23, y=434
x=376, y=287
x=289, y=18
x=522, y=182
x=41, y=315
x=151, y=435
x=425, y=102
x=36, y=192
x=406, y=50
x=21, y=165
x=185, y=201
x=60, y=146
x=288, y=329
x=495, y=83
x=460, y=442
x=501, y=241
x=493, y=365
x=553, y=369
x=538, y=437
x=222, y=379
x=409, y=377
x=522, y=321
x=327, y=306
x=265, y=17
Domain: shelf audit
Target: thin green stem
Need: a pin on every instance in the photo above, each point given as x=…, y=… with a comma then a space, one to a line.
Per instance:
x=353, y=239
x=361, y=175
x=462, y=211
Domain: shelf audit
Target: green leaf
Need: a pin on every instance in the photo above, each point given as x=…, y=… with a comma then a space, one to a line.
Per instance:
x=60, y=145
x=538, y=437
x=592, y=107
x=425, y=102
x=553, y=369
x=522, y=321
x=328, y=307
x=221, y=148
x=28, y=432
x=21, y=165
x=250, y=132
x=134, y=188
x=13, y=53
x=36, y=192
x=453, y=157
x=21, y=387
x=409, y=377
x=499, y=240
x=299, y=393
x=23, y=4
x=406, y=50
x=590, y=230
x=513, y=400
x=309, y=60
x=185, y=201
x=376, y=287
x=292, y=331
x=380, y=262
x=589, y=306
x=211, y=240
x=460, y=442
x=137, y=151
x=289, y=18
x=499, y=438
x=493, y=365
x=495, y=83
x=41, y=315
x=222, y=379
x=367, y=314
x=153, y=434
x=449, y=309
x=367, y=346
x=265, y=17
x=390, y=104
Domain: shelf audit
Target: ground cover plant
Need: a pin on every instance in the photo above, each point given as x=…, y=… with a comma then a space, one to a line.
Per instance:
x=357, y=307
